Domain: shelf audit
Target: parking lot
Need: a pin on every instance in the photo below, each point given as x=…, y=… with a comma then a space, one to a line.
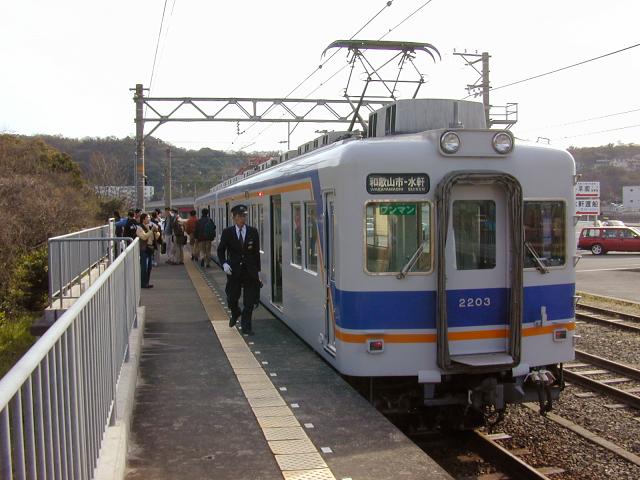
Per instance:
x=614, y=275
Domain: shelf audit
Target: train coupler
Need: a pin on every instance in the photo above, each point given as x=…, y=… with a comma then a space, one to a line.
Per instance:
x=542, y=380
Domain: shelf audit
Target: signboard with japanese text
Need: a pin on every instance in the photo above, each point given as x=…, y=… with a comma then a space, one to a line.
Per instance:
x=587, y=206
x=404, y=183
x=587, y=198
x=587, y=189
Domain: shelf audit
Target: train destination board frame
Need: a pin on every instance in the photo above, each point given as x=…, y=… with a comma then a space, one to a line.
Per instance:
x=401, y=183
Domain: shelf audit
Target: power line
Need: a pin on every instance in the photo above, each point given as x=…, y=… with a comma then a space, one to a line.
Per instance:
x=566, y=68
x=155, y=56
x=407, y=18
x=583, y=120
x=599, y=131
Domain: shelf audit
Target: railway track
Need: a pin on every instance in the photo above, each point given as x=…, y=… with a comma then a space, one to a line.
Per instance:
x=589, y=365
x=605, y=316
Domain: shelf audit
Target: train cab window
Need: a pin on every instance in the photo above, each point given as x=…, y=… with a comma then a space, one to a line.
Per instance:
x=296, y=234
x=311, y=238
x=544, y=231
x=394, y=232
x=474, y=229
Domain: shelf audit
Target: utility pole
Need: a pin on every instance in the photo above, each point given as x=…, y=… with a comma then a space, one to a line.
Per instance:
x=167, y=181
x=139, y=177
x=481, y=85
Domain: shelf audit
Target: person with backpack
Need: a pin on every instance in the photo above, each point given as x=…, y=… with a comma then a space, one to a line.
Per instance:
x=179, y=238
x=130, y=226
x=205, y=233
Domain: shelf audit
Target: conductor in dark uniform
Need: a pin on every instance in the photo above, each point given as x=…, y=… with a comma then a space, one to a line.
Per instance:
x=239, y=255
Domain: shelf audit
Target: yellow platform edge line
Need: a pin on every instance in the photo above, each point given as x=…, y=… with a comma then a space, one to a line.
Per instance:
x=218, y=318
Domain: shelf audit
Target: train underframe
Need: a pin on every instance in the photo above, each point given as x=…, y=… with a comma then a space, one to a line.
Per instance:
x=460, y=401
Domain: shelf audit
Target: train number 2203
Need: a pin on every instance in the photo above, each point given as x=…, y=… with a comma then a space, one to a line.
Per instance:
x=473, y=302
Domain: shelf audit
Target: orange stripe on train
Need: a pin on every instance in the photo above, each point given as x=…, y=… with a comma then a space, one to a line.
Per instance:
x=453, y=336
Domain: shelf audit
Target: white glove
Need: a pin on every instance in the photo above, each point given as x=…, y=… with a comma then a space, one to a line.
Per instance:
x=226, y=268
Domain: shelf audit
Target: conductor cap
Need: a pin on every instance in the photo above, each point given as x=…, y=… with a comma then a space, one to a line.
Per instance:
x=239, y=210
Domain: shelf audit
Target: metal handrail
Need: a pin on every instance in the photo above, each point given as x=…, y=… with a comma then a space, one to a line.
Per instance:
x=57, y=401
x=70, y=259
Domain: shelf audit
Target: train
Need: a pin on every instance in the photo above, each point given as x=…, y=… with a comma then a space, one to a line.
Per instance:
x=430, y=259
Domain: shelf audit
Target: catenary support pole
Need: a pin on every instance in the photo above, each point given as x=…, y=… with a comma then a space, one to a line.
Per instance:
x=140, y=177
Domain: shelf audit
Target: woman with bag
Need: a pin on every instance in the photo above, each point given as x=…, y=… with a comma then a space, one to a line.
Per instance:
x=148, y=234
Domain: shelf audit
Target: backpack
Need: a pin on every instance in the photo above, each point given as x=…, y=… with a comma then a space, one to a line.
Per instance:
x=130, y=228
x=209, y=230
x=178, y=229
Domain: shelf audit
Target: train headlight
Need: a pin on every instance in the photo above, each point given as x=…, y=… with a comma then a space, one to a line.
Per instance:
x=450, y=142
x=502, y=142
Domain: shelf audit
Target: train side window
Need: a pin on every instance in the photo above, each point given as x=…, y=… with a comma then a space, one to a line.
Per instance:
x=296, y=234
x=393, y=233
x=545, y=231
x=311, y=237
x=474, y=229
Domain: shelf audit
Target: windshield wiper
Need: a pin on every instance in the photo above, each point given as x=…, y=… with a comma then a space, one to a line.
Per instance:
x=412, y=261
x=540, y=266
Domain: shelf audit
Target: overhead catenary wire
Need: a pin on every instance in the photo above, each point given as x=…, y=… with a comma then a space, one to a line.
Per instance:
x=346, y=65
x=407, y=18
x=317, y=69
x=155, y=56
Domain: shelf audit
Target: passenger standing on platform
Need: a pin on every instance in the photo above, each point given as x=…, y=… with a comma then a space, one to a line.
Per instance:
x=205, y=234
x=148, y=234
x=239, y=255
x=155, y=220
x=119, y=223
x=167, y=234
x=190, y=229
x=179, y=237
x=130, y=226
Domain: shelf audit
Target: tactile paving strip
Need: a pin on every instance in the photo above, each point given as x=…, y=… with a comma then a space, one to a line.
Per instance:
x=288, y=447
x=319, y=474
x=295, y=454
x=300, y=461
x=290, y=433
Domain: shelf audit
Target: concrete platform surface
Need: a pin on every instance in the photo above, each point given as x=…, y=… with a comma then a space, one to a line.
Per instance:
x=212, y=404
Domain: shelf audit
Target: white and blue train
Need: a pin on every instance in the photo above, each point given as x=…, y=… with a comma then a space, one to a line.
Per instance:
x=433, y=260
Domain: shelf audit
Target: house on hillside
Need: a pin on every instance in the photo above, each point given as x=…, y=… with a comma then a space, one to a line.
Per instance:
x=631, y=198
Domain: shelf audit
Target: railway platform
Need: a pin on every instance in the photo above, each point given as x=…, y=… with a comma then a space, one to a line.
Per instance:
x=211, y=403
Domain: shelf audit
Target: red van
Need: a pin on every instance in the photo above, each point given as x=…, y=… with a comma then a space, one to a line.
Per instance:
x=601, y=240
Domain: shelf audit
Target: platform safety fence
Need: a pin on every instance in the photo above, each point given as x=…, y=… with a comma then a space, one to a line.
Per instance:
x=58, y=400
x=72, y=257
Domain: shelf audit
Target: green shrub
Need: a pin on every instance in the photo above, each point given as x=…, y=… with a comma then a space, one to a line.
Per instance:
x=28, y=284
x=15, y=340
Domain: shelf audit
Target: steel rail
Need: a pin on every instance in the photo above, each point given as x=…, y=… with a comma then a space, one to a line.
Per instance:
x=508, y=463
x=615, y=367
x=607, y=311
x=610, y=323
x=590, y=383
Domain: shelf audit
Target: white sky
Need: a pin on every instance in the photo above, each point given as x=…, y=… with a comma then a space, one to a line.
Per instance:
x=67, y=66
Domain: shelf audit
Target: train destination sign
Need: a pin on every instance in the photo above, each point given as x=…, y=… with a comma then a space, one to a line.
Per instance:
x=397, y=183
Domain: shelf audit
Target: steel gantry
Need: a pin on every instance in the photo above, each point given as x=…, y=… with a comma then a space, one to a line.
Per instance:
x=161, y=110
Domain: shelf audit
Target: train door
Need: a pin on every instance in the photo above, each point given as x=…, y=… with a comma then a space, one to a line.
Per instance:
x=330, y=269
x=480, y=278
x=276, y=251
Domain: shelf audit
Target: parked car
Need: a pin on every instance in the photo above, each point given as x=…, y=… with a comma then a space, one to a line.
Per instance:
x=614, y=223
x=601, y=240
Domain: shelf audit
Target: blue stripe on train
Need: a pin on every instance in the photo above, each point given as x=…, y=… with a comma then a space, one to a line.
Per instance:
x=465, y=308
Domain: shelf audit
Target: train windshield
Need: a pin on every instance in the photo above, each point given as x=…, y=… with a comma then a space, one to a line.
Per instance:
x=544, y=230
x=474, y=228
x=393, y=232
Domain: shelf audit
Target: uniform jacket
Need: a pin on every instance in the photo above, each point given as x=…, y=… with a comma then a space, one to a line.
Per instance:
x=230, y=251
